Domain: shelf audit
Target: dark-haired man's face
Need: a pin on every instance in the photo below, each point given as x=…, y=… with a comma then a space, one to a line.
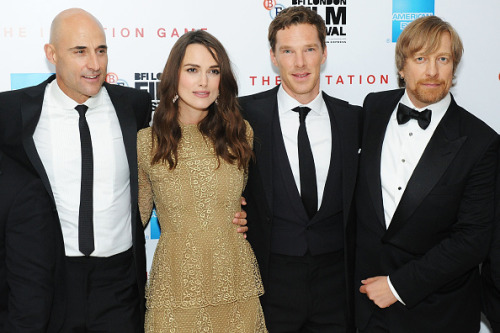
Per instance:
x=298, y=54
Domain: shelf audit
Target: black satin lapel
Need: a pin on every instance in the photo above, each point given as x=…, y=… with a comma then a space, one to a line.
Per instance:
x=371, y=154
x=286, y=170
x=31, y=108
x=437, y=157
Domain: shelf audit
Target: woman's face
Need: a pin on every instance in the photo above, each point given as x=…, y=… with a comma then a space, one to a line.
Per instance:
x=199, y=80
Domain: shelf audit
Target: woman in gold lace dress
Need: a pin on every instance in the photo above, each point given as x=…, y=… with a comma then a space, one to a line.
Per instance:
x=192, y=166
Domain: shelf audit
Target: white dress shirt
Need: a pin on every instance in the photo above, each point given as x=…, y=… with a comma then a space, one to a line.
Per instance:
x=57, y=140
x=318, y=130
x=402, y=148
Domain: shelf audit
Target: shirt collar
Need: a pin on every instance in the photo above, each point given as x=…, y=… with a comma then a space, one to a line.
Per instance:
x=63, y=101
x=286, y=103
x=438, y=109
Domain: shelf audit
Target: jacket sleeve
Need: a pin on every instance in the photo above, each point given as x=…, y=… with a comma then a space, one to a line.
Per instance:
x=30, y=259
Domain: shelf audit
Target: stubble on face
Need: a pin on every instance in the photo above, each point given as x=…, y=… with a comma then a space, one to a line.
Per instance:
x=429, y=77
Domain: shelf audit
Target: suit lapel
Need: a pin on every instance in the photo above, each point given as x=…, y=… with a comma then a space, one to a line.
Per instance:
x=31, y=108
x=372, y=151
x=286, y=170
x=348, y=166
x=439, y=153
x=349, y=146
x=263, y=111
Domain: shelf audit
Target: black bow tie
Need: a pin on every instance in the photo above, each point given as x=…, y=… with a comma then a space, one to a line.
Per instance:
x=405, y=113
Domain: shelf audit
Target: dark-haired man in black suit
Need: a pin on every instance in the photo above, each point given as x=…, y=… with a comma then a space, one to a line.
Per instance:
x=300, y=188
x=425, y=195
x=27, y=250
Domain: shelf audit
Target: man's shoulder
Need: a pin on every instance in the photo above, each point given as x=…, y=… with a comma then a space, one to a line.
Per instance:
x=470, y=123
x=12, y=95
x=380, y=96
x=122, y=90
x=18, y=93
x=339, y=103
x=259, y=96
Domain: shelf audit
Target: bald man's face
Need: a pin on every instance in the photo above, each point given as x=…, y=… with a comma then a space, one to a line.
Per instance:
x=79, y=53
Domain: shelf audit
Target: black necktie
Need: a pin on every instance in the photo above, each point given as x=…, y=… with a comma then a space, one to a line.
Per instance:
x=308, y=188
x=404, y=114
x=85, y=219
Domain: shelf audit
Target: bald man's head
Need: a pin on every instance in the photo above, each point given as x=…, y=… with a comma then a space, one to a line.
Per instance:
x=78, y=50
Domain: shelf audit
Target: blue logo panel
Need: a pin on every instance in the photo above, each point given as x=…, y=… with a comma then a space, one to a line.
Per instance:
x=405, y=11
x=155, y=226
x=23, y=80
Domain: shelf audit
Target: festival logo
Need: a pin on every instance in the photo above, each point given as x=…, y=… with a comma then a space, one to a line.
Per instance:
x=112, y=78
x=149, y=82
x=405, y=11
x=334, y=12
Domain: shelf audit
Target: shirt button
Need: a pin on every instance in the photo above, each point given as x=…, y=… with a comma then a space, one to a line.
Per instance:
x=403, y=160
x=410, y=134
x=399, y=188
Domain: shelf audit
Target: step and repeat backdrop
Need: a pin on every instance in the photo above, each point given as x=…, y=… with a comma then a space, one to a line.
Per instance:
x=361, y=36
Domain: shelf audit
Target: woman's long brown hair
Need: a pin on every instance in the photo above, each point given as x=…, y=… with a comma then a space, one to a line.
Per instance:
x=223, y=125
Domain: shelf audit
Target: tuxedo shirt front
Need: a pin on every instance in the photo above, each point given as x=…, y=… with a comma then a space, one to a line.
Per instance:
x=402, y=148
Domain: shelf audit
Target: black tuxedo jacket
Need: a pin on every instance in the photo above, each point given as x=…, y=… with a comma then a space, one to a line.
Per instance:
x=19, y=114
x=441, y=229
x=259, y=110
x=27, y=250
x=490, y=272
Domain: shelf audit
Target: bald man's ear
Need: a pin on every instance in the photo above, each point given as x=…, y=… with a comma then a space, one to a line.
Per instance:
x=50, y=53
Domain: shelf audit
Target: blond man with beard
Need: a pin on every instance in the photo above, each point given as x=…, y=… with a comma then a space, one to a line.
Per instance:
x=425, y=194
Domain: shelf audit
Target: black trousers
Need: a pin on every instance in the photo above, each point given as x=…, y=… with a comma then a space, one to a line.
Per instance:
x=306, y=294
x=377, y=323
x=102, y=295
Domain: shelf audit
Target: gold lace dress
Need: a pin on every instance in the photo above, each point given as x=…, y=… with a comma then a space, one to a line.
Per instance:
x=204, y=276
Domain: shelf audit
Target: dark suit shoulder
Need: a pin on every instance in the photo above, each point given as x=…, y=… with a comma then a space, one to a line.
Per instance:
x=132, y=94
x=259, y=107
x=471, y=124
x=12, y=95
x=118, y=89
x=337, y=102
x=138, y=100
x=376, y=98
x=258, y=96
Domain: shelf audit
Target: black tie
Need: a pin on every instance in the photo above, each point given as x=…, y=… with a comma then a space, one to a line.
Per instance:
x=308, y=188
x=85, y=219
x=404, y=114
